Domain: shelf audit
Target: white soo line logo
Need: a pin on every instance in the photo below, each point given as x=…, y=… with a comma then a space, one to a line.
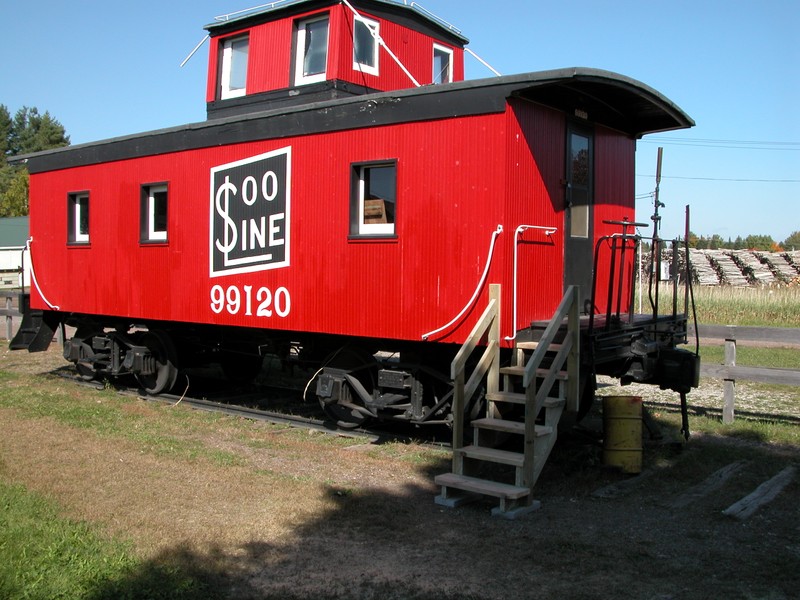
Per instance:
x=250, y=214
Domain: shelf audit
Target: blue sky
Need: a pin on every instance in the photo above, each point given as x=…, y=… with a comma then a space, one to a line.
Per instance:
x=106, y=68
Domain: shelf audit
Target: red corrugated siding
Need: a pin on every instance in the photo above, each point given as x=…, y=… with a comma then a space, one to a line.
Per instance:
x=270, y=70
x=414, y=49
x=450, y=200
x=614, y=199
x=535, y=197
x=270, y=61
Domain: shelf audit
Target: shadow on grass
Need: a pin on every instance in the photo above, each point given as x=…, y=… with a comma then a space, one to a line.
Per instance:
x=374, y=544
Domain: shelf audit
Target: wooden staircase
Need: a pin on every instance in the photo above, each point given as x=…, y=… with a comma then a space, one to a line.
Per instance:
x=524, y=402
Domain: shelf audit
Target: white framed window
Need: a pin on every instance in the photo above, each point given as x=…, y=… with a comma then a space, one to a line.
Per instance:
x=374, y=199
x=153, y=221
x=78, y=218
x=366, y=50
x=233, y=73
x=442, y=64
x=311, y=60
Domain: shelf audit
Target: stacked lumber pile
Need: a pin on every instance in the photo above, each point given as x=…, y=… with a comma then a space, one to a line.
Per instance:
x=793, y=258
x=704, y=272
x=752, y=267
x=779, y=264
x=729, y=271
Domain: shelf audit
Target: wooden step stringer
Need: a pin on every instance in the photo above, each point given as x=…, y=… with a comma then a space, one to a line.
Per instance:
x=533, y=399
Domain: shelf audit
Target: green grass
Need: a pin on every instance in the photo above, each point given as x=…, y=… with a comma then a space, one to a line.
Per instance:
x=175, y=433
x=45, y=556
x=762, y=430
x=776, y=358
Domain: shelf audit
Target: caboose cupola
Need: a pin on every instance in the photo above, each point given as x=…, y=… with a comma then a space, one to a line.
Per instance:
x=300, y=51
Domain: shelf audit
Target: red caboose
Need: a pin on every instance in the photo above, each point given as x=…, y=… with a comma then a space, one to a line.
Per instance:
x=348, y=189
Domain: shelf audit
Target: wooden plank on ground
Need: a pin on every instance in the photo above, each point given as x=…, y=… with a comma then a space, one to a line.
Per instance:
x=762, y=495
x=710, y=484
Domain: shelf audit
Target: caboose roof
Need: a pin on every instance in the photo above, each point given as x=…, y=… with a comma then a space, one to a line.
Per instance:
x=604, y=97
x=399, y=11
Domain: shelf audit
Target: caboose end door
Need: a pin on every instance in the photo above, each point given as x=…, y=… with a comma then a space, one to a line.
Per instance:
x=579, y=213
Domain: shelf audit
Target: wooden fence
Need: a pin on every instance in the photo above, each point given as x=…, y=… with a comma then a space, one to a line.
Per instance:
x=729, y=372
x=10, y=313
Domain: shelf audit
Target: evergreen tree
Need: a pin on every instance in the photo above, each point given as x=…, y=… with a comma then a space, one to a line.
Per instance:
x=792, y=242
x=5, y=133
x=27, y=132
x=32, y=132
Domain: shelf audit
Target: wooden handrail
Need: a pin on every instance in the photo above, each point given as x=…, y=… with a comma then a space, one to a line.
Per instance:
x=488, y=325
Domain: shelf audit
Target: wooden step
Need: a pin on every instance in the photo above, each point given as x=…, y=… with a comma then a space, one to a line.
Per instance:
x=554, y=402
x=535, y=345
x=515, y=398
x=519, y=371
x=503, y=457
x=510, y=397
x=482, y=486
x=509, y=426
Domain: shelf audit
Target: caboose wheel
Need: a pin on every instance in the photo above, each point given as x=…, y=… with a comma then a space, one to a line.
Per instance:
x=79, y=351
x=164, y=373
x=86, y=370
x=348, y=411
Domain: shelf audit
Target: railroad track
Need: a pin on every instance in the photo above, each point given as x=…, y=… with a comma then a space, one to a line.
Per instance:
x=243, y=403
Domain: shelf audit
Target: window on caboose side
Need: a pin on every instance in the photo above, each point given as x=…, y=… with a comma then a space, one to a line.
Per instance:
x=78, y=218
x=365, y=45
x=442, y=64
x=153, y=213
x=233, y=70
x=373, y=200
x=311, y=59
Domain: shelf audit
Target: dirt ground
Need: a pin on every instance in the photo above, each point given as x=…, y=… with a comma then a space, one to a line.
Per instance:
x=313, y=516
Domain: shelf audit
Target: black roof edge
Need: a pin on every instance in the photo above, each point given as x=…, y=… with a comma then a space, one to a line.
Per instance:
x=654, y=113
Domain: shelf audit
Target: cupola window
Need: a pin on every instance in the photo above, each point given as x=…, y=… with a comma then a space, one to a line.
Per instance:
x=311, y=62
x=365, y=45
x=233, y=78
x=442, y=64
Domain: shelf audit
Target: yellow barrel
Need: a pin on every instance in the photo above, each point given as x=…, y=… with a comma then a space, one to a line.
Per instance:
x=622, y=433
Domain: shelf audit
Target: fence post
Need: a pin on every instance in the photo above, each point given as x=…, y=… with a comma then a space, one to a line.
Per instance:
x=9, y=319
x=729, y=383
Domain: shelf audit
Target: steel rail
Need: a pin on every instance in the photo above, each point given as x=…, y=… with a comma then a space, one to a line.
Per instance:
x=256, y=414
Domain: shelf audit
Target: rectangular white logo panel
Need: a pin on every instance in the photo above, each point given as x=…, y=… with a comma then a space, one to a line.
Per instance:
x=249, y=217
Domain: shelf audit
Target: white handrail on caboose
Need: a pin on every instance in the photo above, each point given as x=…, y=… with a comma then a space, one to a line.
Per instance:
x=33, y=276
x=548, y=231
x=472, y=300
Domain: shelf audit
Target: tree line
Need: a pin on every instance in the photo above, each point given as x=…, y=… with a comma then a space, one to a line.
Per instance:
x=28, y=131
x=751, y=242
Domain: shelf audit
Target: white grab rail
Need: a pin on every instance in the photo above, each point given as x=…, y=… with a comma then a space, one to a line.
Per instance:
x=548, y=231
x=472, y=300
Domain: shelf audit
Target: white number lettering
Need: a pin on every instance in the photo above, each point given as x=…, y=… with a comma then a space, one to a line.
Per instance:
x=248, y=295
x=235, y=300
x=217, y=299
x=265, y=297
x=283, y=303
